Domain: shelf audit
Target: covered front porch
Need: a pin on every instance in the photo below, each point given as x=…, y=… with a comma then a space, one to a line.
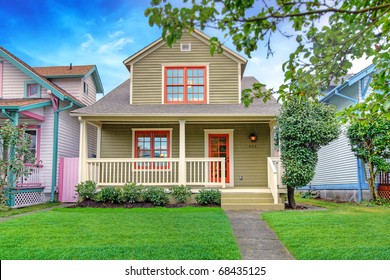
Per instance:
x=196, y=152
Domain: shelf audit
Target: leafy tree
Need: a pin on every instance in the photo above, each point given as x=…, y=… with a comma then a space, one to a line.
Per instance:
x=369, y=136
x=14, y=152
x=350, y=30
x=305, y=126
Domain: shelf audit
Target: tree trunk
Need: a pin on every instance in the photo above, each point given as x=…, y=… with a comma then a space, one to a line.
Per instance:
x=291, y=198
x=371, y=182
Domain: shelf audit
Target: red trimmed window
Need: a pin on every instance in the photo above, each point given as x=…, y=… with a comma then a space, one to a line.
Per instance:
x=185, y=84
x=152, y=144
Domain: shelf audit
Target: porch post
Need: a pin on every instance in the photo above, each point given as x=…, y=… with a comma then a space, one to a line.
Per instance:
x=272, y=123
x=83, y=152
x=99, y=141
x=182, y=153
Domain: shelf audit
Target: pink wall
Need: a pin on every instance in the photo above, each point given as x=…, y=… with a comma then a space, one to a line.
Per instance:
x=68, y=179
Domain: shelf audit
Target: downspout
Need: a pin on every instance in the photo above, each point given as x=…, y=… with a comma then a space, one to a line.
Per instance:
x=360, y=179
x=55, y=149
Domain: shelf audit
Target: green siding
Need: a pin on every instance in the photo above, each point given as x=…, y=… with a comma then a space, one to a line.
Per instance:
x=250, y=163
x=223, y=72
x=117, y=139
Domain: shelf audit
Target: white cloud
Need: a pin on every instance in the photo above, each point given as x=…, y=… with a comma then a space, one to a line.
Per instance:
x=115, y=45
x=88, y=42
x=115, y=34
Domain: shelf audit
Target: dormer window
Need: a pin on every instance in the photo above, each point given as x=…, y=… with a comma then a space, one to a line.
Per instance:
x=185, y=84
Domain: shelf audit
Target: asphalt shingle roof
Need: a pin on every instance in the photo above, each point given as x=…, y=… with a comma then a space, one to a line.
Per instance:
x=76, y=70
x=117, y=102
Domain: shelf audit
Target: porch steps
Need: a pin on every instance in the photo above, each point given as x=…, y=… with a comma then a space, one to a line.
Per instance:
x=249, y=199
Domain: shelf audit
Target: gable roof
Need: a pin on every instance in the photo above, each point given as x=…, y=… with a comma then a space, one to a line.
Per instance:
x=72, y=71
x=34, y=75
x=350, y=80
x=117, y=103
x=197, y=34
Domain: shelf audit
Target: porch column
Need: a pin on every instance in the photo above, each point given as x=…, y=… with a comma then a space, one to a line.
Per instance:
x=83, y=152
x=182, y=153
x=99, y=141
x=272, y=123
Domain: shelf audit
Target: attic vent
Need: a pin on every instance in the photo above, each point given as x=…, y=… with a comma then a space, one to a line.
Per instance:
x=185, y=47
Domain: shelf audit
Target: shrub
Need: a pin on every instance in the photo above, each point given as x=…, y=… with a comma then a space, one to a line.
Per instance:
x=109, y=194
x=86, y=190
x=3, y=201
x=132, y=193
x=156, y=195
x=208, y=197
x=180, y=193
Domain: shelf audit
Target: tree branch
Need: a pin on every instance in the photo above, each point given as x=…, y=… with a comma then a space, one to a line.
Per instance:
x=320, y=12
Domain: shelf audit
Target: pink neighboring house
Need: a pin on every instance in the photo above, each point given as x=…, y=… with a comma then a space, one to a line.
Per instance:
x=42, y=98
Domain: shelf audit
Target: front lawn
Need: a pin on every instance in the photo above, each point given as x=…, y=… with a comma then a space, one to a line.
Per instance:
x=343, y=232
x=16, y=211
x=104, y=234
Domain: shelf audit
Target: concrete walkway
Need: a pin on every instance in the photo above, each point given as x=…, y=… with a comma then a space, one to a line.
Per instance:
x=256, y=240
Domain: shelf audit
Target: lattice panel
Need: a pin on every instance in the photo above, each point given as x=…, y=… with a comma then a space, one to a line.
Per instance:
x=28, y=198
x=384, y=194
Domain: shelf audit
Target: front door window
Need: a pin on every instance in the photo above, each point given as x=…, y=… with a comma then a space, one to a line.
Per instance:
x=219, y=147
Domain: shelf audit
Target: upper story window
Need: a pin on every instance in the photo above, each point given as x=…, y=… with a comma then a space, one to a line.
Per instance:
x=185, y=84
x=85, y=88
x=32, y=89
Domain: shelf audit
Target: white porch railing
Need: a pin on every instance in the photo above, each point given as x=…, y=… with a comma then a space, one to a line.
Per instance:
x=156, y=171
x=206, y=171
x=31, y=180
x=274, y=168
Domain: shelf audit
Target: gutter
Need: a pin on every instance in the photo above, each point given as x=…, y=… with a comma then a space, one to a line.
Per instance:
x=55, y=149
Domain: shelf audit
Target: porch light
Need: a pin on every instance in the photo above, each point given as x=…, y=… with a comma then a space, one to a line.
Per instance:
x=253, y=137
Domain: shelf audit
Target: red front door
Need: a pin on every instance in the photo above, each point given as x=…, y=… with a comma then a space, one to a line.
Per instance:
x=219, y=147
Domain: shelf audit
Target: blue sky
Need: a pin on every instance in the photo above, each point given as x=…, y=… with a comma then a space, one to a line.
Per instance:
x=51, y=33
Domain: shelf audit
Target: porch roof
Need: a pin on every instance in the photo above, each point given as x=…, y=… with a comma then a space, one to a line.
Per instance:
x=117, y=103
x=22, y=104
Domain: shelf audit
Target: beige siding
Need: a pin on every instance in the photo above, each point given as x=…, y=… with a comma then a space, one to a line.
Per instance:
x=117, y=139
x=223, y=72
x=249, y=161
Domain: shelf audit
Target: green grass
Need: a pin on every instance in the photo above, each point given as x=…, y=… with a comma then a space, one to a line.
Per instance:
x=144, y=234
x=16, y=211
x=344, y=231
